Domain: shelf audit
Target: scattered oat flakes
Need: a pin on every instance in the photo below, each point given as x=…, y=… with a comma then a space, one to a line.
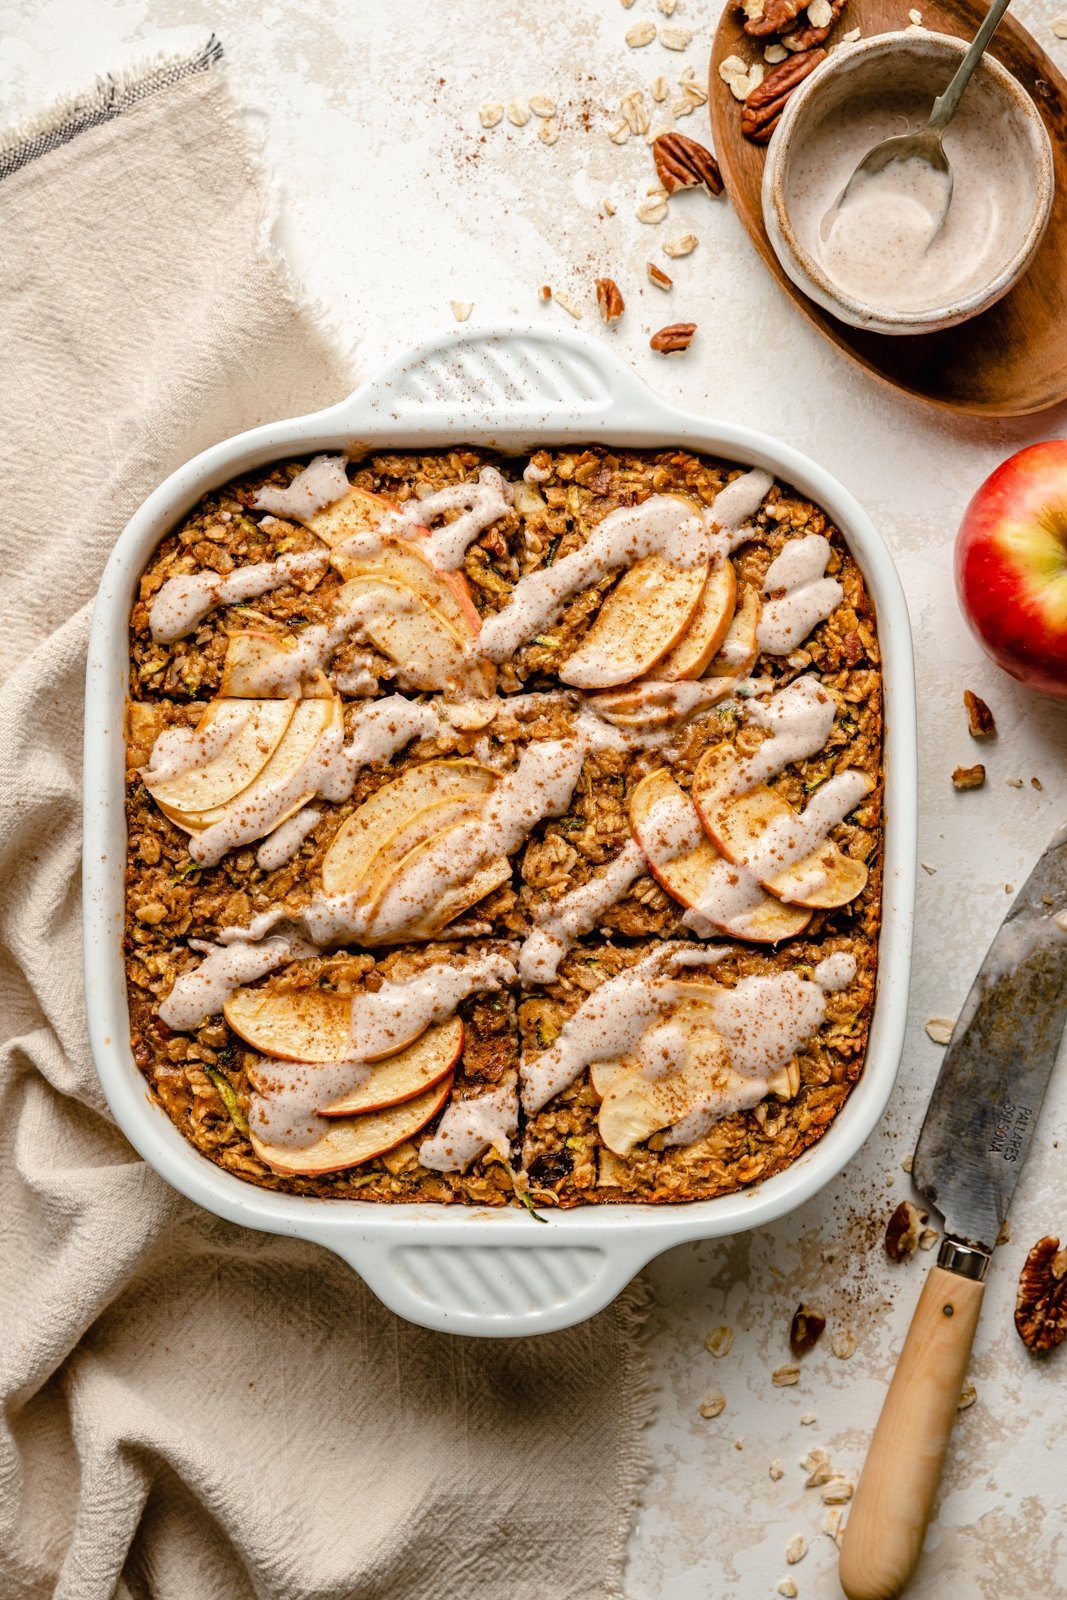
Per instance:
x=808, y=1419
x=776, y=1471
x=675, y=38
x=731, y=67
x=844, y=1344
x=635, y=111
x=775, y=53
x=518, y=113
x=928, y=1238
x=968, y=1395
x=683, y=245
x=1014, y=783
x=1059, y=27
x=549, y=131
x=640, y=34
x=788, y=1588
x=607, y=205
x=913, y=16
x=627, y=4
x=660, y=89
x=838, y=1492
x=739, y=1444
x=682, y=106
x=712, y=1405
x=569, y=306
x=461, y=309
x=619, y=131
x=927, y=868
x=652, y=210
x=940, y=1029
x=1035, y=783
x=969, y=777
x=851, y=36
x=542, y=105
x=782, y=1377
x=831, y=1524
x=668, y=7
x=491, y=113
x=907, y=1163
x=820, y=13
x=817, y=1465
x=720, y=1341
x=659, y=277
x=915, y=27
x=796, y=1549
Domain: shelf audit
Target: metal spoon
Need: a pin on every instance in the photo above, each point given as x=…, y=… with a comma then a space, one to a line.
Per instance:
x=926, y=145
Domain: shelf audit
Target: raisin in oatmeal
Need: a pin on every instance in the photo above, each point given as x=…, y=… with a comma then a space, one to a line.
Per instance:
x=503, y=828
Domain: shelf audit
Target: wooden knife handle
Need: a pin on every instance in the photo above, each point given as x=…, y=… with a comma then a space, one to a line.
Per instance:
x=892, y=1505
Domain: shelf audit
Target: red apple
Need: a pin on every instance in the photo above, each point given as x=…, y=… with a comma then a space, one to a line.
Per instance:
x=1011, y=566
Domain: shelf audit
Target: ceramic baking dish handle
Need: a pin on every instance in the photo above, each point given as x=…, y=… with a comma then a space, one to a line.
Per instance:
x=523, y=384
x=496, y=1289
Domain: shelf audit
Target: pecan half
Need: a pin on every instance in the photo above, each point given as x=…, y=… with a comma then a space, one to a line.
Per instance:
x=1041, y=1303
x=807, y=38
x=659, y=277
x=775, y=17
x=969, y=777
x=805, y=1330
x=980, y=722
x=902, y=1231
x=676, y=336
x=764, y=106
x=685, y=164
x=609, y=299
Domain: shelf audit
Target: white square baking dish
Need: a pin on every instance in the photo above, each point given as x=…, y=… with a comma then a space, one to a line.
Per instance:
x=474, y=1270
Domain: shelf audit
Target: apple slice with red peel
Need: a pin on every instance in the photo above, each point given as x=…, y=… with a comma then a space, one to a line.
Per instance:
x=309, y=721
x=707, y=628
x=346, y=864
x=449, y=905
x=421, y=828
x=259, y=665
x=642, y=618
x=690, y=877
x=259, y=727
x=358, y=511
x=402, y=562
x=429, y=651
x=306, y=1025
x=414, y=1070
x=739, y=651
x=350, y=1141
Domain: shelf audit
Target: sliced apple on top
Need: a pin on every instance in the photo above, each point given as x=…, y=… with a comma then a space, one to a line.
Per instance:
x=604, y=1075
x=700, y=878
x=346, y=864
x=306, y=1025
x=429, y=651
x=258, y=728
x=637, y=1105
x=358, y=511
x=350, y=1141
x=310, y=720
x=449, y=905
x=642, y=618
x=403, y=1076
x=707, y=628
x=260, y=665
x=739, y=650
x=819, y=878
x=401, y=561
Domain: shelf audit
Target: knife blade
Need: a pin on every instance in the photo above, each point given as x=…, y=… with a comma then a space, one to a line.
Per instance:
x=984, y=1107
x=971, y=1149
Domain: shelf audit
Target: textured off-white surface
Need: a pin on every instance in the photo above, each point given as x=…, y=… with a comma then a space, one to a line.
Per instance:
x=394, y=202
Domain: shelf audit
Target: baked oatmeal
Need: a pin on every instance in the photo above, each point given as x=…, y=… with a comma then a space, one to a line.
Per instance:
x=503, y=829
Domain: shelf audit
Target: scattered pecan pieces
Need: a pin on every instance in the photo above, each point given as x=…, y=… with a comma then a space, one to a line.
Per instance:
x=682, y=163
x=806, y=1330
x=1041, y=1303
x=902, y=1231
x=969, y=777
x=763, y=108
x=609, y=299
x=676, y=336
x=775, y=17
x=659, y=277
x=980, y=722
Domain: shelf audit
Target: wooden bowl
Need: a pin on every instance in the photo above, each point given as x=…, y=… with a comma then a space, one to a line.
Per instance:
x=1010, y=360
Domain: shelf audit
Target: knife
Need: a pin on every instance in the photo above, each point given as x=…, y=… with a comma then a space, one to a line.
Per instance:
x=970, y=1153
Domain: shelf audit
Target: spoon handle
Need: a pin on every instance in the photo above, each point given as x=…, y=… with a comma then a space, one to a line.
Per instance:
x=945, y=105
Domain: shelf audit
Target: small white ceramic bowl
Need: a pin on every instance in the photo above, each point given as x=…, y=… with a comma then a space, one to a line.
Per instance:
x=911, y=61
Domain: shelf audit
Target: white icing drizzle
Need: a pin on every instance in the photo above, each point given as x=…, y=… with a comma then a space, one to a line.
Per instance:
x=532, y=473
x=835, y=972
x=183, y=602
x=202, y=993
x=480, y=504
x=577, y=913
x=280, y=846
x=662, y=525
x=791, y=837
x=799, y=719
x=379, y=731
x=808, y=598
x=286, y=1111
x=739, y=501
x=322, y=482
x=471, y=1126
x=180, y=750
x=608, y=1024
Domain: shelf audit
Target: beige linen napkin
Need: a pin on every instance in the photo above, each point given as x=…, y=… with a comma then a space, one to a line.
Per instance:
x=192, y=1411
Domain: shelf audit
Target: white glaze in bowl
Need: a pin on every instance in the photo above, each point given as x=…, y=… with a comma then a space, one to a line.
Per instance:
x=999, y=211
x=483, y=1271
